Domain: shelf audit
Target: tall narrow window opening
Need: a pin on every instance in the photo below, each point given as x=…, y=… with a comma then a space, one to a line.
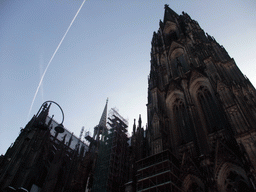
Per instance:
x=181, y=121
x=210, y=110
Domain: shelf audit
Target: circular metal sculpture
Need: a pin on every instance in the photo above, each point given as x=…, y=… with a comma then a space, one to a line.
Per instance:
x=59, y=128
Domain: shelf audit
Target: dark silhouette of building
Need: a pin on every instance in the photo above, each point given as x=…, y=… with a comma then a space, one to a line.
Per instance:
x=43, y=159
x=201, y=115
x=200, y=134
x=46, y=157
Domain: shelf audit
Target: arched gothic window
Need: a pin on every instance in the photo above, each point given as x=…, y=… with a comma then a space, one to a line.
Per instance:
x=232, y=177
x=178, y=58
x=182, y=122
x=235, y=182
x=192, y=183
x=210, y=110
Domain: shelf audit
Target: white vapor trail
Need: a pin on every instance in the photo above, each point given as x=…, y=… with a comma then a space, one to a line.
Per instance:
x=41, y=72
x=41, y=80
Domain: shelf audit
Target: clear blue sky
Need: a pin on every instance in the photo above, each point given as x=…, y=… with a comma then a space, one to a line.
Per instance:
x=105, y=54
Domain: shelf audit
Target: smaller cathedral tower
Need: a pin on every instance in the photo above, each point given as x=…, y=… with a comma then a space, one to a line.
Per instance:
x=101, y=127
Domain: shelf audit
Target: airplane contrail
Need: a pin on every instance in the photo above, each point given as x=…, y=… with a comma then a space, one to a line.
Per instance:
x=41, y=72
x=41, y=80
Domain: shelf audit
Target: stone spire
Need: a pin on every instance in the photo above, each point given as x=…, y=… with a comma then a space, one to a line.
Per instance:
x=101, y=127
x=140, y=121
x=103, y=119
x=134, y=126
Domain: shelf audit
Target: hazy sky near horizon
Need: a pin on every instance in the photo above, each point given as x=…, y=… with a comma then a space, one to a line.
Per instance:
x=106, y=54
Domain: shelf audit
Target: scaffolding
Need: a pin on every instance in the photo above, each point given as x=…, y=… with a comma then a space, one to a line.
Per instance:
x=159, y=172
x=111, y=166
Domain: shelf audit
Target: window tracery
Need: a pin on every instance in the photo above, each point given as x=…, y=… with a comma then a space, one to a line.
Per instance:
x=232, y=177
x=209, y=109
x=178, y=58
x=182, y=122
x=192, y=183
x=235, y=182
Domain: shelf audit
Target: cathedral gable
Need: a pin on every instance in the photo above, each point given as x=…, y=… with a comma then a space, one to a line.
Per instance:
x=196, y=77
x=173, y=88
x=175, y=50
x=222, y=155
x=169, y=27
x=189, y=166
x=178, y=58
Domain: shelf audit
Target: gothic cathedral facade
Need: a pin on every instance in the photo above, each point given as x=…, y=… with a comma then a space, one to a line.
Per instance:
x=201, y=108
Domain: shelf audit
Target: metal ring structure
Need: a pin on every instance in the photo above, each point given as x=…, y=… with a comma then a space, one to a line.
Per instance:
x=49, y=101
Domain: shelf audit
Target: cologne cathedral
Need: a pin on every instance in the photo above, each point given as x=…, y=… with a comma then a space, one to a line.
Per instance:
x=201, y=116
x=200, y=135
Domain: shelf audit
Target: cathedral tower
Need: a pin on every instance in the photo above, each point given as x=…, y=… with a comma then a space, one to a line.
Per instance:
x=200, y=107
